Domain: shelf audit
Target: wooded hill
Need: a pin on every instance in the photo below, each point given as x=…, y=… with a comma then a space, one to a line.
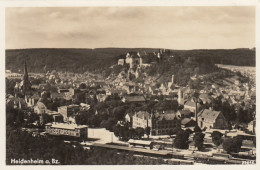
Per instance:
x=81, y=60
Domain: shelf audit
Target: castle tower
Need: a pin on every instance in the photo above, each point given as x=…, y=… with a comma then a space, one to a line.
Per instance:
x=141, y=61
x=26, y=82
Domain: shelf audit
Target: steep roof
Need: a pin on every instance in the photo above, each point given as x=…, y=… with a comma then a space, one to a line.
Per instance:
x=142, y=114
x=130, y=114
x=135, y=99
x=166, y=116
x=185, y=121
x=185, y=112
x=208, y=115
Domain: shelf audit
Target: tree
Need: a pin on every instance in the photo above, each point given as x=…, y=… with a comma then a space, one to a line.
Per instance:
x=108, y=124
x=232, y=144
x=197, y=129
x=147, y=131
x=217, y=138
x=198, y=140
x=82, y=86
x=139, y=132
x=181, y=140
x=189, y=131
x=175, y=130
x=116, y=129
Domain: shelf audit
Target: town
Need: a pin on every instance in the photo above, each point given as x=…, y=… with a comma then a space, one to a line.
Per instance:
x=140, y=105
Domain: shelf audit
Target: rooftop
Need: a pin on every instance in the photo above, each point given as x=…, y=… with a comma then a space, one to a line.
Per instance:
x=66, y=125
x=208, y=115
x=135, y=98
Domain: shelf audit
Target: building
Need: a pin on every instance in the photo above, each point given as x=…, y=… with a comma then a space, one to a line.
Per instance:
x=133, y=59
x=26, y=85
x=142, y=119
x=67, y=111
x=65, y=129
x=160, y=124
x=31, y=100
x=57, y=117
x=129, y=118
x=211, y=119
x=40, y=108
x=163, y=124
x=121, y=62
x=133, y=99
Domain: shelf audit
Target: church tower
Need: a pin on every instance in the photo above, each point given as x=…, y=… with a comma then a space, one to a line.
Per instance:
x=26, y=82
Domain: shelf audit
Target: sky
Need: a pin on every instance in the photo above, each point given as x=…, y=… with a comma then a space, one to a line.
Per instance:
x=131, y=27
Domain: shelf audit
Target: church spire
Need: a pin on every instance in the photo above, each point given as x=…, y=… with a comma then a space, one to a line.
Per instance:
x=26, y=82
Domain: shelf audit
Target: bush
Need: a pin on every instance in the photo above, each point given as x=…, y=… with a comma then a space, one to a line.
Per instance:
x=181, y=140
x=232, y=144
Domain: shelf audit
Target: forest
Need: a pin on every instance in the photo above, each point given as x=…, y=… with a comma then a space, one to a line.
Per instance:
x=97, y=60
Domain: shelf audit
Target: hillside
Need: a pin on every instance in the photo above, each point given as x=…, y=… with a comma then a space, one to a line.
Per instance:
x=81, y=60
x=74, y=60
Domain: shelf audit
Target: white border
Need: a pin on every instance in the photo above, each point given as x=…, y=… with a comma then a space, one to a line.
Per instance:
x=67, y=3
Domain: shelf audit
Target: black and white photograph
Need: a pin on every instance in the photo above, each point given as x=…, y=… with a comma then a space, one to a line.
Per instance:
x=130, y=85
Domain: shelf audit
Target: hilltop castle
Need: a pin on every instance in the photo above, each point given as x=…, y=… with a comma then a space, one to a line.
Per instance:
x=132, y=58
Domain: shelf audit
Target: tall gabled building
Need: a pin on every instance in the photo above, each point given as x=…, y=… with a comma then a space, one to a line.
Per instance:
x=26, y=85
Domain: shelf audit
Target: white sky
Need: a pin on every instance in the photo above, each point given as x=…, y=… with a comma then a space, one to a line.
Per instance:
x=154, y=27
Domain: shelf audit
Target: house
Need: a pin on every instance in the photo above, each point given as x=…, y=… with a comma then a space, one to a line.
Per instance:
x=211, y=119
x=129, y=117
x=40, y=108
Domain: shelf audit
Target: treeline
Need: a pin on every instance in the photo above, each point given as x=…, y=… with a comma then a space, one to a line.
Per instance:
x=82, y=60
x=238, y=57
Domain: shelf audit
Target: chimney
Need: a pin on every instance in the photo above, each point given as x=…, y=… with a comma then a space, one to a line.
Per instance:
x=196, y=112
